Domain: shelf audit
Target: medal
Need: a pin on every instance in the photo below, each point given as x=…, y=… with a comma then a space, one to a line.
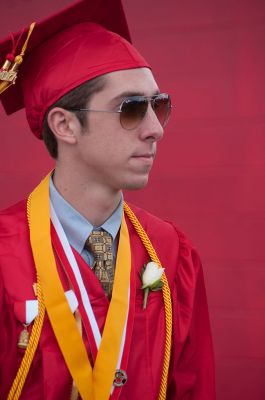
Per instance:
x=120, y=378
x=23, y=339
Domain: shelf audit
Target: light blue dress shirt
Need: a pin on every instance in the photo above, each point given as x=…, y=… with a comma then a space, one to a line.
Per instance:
x=77, y=228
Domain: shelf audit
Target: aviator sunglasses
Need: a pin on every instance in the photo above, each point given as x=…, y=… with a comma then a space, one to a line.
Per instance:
x=134, y=108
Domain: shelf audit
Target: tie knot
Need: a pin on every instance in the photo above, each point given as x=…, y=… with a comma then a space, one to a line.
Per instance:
x=99, y=243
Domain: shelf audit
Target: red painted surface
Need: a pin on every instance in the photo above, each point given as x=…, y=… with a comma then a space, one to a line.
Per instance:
x=210, y=169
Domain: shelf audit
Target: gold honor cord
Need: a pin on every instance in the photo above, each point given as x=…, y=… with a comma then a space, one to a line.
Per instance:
x=81, y=378
x=166, y=296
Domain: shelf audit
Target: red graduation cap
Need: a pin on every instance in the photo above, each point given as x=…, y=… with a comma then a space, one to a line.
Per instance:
x=86, y=40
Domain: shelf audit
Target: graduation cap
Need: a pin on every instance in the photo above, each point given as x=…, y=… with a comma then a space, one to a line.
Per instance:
x=45, y=61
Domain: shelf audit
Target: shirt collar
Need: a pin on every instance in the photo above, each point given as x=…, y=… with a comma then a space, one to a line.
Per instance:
x=76, y=227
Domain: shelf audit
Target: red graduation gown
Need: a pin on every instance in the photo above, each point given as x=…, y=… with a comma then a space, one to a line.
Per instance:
x=191, y=374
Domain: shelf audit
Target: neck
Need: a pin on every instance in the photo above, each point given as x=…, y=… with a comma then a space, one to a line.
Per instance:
x=96, y=202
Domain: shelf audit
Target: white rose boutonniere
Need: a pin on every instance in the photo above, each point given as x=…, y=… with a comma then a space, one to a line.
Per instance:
x=151, y=279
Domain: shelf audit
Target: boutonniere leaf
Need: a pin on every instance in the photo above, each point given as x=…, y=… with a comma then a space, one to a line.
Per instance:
x=151, y=279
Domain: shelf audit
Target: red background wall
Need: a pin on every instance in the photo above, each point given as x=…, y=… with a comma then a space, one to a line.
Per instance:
x=210, y=170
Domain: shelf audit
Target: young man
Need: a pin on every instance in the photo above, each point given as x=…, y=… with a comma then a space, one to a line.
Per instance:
x=80, y=314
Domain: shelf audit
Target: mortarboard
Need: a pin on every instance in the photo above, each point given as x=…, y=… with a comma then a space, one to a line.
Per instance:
x=86, y=40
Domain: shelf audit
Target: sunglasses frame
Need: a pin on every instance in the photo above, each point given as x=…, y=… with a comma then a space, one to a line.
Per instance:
x=150, y=100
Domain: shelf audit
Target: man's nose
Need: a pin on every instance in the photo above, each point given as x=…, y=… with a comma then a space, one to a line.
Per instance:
x=151, y=127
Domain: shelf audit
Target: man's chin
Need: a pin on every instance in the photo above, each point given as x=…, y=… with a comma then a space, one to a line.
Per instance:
x=136, y=184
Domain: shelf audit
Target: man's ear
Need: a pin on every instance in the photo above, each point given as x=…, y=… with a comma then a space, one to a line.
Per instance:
x=63, y=124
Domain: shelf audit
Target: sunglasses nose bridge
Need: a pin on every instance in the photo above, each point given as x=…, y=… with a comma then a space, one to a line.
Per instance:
x=152, y=126
x=151, y=102
x=151, y=107
x=147, y=103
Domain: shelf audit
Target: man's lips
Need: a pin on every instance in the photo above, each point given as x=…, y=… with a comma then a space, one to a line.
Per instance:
x=144, y=159
x=144, y=155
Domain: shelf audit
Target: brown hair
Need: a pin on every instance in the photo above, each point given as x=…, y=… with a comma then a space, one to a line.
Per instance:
x=76, y=98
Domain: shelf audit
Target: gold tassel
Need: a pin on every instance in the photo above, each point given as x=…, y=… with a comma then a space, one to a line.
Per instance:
x=9, y=70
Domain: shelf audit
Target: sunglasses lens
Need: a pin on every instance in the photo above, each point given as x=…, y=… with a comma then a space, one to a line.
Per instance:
x=133, y=111
x=161, y=105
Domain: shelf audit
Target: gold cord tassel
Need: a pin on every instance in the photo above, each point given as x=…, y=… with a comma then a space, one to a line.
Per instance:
x=9, y=70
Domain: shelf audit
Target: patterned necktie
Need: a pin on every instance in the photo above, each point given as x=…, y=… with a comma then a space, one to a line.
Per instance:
x=99, y=243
